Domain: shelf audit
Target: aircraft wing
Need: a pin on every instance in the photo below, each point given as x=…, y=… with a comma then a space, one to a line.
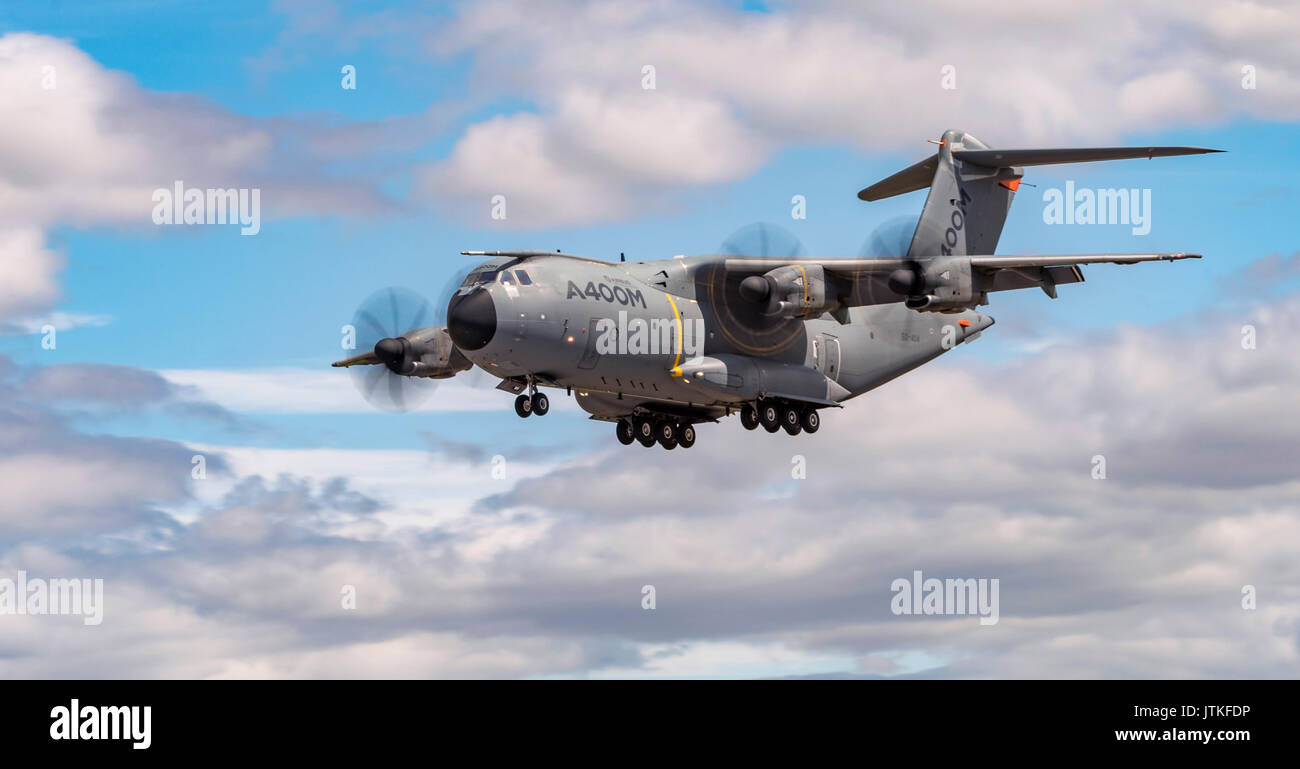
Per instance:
x=1005, y=273
x=860, y=268
x=861, y=282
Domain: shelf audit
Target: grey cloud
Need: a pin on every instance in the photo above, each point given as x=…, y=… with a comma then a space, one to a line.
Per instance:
x=105, y=388
x=960, y=470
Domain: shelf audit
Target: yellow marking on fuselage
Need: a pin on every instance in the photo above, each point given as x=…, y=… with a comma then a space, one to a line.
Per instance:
x=676, y=370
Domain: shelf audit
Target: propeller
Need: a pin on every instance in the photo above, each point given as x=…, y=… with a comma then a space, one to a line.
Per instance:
x=762, y=239
x=380, y=323
x=405, y=333
x=891, y=239
x=742, y=306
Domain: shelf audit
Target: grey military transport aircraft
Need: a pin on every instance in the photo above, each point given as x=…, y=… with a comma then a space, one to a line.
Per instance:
x=657, y=347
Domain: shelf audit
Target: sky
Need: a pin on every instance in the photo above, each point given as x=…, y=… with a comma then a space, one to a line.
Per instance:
x=479, y=545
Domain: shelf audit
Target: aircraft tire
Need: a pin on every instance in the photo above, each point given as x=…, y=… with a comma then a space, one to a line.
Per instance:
x=811, y=421
x=645, y=431
x=769, y=414
x=666, y=434
x=625, y=432
x=749, y=416
x=523, y=405
x=541, y=403
x=686, y=435
x=791, y=420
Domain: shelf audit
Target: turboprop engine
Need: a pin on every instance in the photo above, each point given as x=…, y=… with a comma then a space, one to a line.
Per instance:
x=424, y=352
x=791, y=291
x=937, y=285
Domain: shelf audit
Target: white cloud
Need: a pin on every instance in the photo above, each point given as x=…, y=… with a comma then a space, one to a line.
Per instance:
x=327, y=390
x=595, y=157
x=27, y=274
x=421, y=489
x=83, y=145
x=732, y=87
x=61, y=321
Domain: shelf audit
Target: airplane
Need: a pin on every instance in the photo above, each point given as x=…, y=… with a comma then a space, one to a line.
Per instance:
x=657, y=347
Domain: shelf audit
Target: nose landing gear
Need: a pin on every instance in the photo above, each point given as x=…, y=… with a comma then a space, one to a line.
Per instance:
x=532, y=402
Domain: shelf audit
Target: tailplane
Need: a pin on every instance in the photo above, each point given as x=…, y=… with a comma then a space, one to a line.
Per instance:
x=971, y=188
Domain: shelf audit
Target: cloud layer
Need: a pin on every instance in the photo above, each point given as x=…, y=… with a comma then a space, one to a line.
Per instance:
x=731, y=87
x=959, y=470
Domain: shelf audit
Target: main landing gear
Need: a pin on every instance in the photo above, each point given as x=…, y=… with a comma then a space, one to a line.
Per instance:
x=532, y=402
x=776, y=415
x=650, y=430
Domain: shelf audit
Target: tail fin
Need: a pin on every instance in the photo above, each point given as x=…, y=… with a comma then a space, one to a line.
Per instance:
x=971, y=188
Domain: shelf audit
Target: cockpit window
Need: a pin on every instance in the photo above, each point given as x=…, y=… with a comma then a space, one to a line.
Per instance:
x=478, y=278
x=486, y=272
x=524, y=280
x=506, y=278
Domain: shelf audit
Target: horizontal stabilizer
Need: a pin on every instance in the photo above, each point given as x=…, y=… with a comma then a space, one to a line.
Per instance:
x=915, y=177
x=1043, y=157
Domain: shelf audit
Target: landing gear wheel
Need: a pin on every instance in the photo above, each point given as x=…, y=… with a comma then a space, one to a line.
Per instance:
x=790, y=420
x=811, y=421
x=541, y=404
x=770, y=416
x=666, y=432
x=645, y=431
x=686, y=435
x=523, y=405
x=625, y=433
x=749, y=416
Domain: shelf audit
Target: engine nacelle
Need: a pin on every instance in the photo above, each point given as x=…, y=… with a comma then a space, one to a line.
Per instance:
x=431, y=353
x=943, y=285
x=791, y=291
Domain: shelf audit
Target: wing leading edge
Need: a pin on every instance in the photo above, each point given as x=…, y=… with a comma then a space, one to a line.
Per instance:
x=850, y=268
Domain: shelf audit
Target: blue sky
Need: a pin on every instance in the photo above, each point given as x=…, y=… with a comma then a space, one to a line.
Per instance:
x=209, y=298
x=385, y=184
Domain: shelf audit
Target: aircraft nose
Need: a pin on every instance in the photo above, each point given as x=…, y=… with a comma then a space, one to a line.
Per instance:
x=472, y=319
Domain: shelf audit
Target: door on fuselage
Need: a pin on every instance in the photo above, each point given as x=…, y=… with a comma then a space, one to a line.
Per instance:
x=590, y=356
x=826, y=355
